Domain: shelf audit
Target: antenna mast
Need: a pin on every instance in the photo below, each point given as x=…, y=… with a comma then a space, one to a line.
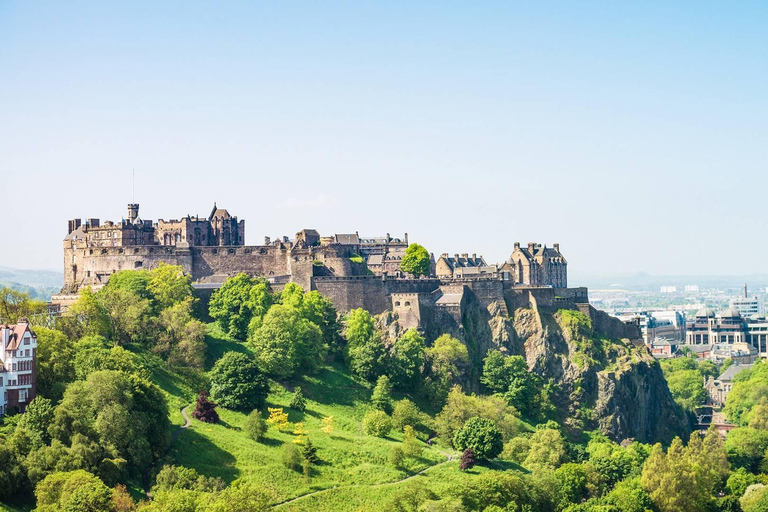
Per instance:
x=133, y=185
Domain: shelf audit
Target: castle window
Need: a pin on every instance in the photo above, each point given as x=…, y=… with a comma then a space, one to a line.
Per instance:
x=407, y=303
x=231, y=251
x=135, y=251
x=90, y=251
x=397, y=304
x=215, y=251
x=138, y=264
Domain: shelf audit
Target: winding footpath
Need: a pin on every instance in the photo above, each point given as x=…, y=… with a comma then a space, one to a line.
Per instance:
x=448, y=459
x=148, y=471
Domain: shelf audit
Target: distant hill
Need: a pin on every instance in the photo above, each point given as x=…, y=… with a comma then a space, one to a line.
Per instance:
x=41, y=284
x=642, y=281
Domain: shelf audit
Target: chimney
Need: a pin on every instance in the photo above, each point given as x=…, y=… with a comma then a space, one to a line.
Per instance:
x=5, y=332
x=406, y=239
x=133, y=212
x=474, y=256
x=444, y=255
x=557, y=247
x=531, y=247
x=465, y=255
x=72, y=225
x=745, y=290
x=456, y=256
x=517, y=245
x=94, y=223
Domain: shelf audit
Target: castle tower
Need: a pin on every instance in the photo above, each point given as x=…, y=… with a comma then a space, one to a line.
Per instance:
x=133, y=212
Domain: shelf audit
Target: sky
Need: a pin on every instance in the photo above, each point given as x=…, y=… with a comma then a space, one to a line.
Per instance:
x=633, y=134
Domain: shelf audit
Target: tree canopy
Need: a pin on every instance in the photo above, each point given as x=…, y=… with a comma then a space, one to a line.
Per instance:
x=416, y=261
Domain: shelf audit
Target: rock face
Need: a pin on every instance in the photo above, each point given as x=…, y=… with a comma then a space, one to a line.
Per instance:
x=604, y=377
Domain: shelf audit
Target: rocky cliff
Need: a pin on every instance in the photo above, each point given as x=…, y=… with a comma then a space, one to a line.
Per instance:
x=602, y=374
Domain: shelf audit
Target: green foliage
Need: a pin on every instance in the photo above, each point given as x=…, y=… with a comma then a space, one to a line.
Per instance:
x=547, y=449
x=377, y=423
x=15, y=304
x=482, y=436
x=255, y=426
x=687, y=388
x=416, y=261
x=613, y=462
x=381, y=398
x=686, y=478
x=499, y=490
x=168, y=285
x=54, y=362
x=237, y=383
x=739, y=480
x=38, y=415
x=239, y=301
x=365, y=352
x=287, y=342
x=396, y=456
x=298, y=402
x=92, y=354
x=180, y=338
x=309, y=452
x=407, y=359
x=405, y=413
x=745, y=447
x=576, y=483
x=290, y=457
x=71, y=491
x=356, y=258
x=509, y=377
x=750, y=388
x=459, y=408
x=411, y=445
x=447, y=359
x=86, y=317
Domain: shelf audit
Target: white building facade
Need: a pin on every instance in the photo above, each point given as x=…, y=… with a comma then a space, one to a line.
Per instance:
x=18, y=375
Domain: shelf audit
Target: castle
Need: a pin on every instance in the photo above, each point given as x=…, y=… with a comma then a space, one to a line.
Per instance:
x=353, y=271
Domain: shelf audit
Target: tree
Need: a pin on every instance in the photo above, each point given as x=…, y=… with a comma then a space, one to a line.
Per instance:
x=376, y=423
x=73, y=490
x=180, y=338
x=290, y=457
x=169, y=285
x=482, y=436
x=687, y=388
x=546, y=449
x=459, y=408
x=416, y=261
x=405, y=413
x=468, y=459
x=286, y=342
x=408, y=359
x=447, y=359
x=54, y=362
x=365, y=352
x=86, y=317
x=309, y=452
x=411, y=446
x=509, y=377
x=239, y=300
x=396, y=457
x=205, y=410
x=237, y=383
x=129, y=314
x=255, y=426
x=278, y=418
x=297, y=400
x=745, y=447
x=38, y=415
x=381, y=398
x=15, y=304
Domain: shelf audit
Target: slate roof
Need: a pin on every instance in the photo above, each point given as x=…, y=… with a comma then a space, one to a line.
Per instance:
x=347, y=239
x=732, y=370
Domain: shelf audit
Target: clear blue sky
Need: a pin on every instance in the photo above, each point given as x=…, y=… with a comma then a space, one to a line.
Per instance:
x=634, y=134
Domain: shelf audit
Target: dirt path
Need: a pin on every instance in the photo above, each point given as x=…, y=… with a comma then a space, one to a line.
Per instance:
x=174, y=436
x=448, y=459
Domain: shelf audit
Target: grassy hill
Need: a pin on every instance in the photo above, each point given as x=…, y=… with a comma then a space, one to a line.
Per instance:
x=354, y=471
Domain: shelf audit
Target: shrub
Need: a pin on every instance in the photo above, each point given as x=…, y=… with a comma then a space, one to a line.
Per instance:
x=290, y=457
x=405, y=413
x=468, y=459
x=298, y=401
x=309, y=452
x=411, y=445
x=205, y=410
x=381, y=398
x=396, y=456
x=377, y=423
x=255, y=426
x=482, y=436
x=237, y=383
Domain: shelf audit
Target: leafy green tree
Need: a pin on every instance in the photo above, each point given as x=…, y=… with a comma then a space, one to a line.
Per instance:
x=74, y=490
x=377, y=423
x=174, y=478
x=509, y=377
x=459, y=408
x=122, y=413
x=298, y=401
x=86, y=317
x=396, y=457
x=132, y=281
x=286, y=342
x=242, y=496
x=365, y=352
x=239, y=300
x=447, y=359
x=411, y=446
x=169, y=285
x=687, y=388
x=405, y=413
x=180, y=338
x=407, y=359
x=745, y=447
x=92, y=354
x=416, y=261
x=13, y=478
x=498, y=489
x=739, y=480
x=309, y=452
x=576, y=483
x=54, y=362
x=547, y=449
x=38, y=415
x=320, y=311
x=750, y=388
x=255, y=426
x=129, y=315
x=482, y=435
x=290, y=457
x=381, y=398
x=237, y=382
x=15, y=304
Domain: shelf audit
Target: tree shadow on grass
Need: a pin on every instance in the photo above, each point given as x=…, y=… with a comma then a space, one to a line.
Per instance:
x=503, y=465
x=268, y=441
x=194, y=450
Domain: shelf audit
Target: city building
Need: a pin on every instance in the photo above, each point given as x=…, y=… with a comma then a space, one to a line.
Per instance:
x=747, y=306
x=728, y=328
x=18, y=374
x=718, y=389
x=536, y=265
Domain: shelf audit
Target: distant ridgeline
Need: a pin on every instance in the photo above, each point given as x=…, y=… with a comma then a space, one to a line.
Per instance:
x=351, y=270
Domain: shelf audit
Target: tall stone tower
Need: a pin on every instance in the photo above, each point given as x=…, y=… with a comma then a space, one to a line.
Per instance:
x=133, y=212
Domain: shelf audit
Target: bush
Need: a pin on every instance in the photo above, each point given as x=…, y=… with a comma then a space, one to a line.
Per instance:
x=237, y=383
x=255, y=426
x=468, y=459
x=297, y=400
x=377, y=423
x=411, y=445
x=405, y=413
x=205, y=410
x=290, y=457
x=309, y=452
x=381, y=398
x=396, y=457
x=482, y=436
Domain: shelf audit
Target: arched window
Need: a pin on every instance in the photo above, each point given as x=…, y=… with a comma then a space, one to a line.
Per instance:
x=397, y=304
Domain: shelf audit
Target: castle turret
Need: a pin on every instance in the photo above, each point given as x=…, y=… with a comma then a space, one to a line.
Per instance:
x=133, y=212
